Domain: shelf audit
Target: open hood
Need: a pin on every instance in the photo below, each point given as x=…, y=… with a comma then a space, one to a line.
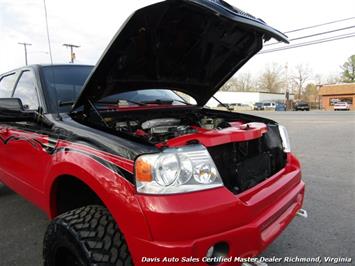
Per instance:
x=193, y=46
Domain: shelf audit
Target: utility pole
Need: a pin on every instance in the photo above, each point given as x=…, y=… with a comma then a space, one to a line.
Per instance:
x=287, y=91
x=25, y=46
x=72, y=54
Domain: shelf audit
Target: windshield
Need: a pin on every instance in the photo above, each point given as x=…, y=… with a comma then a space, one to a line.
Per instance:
x=142, y=97
x=64, y=83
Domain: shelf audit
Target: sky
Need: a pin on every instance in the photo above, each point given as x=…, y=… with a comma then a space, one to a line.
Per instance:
x=92, y=24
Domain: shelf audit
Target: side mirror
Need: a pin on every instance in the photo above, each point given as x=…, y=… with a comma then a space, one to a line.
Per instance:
x=13, y=104
x=12, y=110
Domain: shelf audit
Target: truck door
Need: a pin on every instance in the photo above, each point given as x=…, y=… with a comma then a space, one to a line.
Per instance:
x=26, y=160
x=7, y=83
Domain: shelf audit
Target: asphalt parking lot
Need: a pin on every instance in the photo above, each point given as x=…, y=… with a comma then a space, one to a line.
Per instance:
x=325, y=144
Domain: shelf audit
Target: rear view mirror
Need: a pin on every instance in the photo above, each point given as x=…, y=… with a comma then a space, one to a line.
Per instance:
x=13, y=104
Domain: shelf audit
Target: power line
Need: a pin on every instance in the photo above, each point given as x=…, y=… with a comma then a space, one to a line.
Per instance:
x=313, y=35
x=25, y=44
x=319, y=25
x=329, y=39
x=321, y=33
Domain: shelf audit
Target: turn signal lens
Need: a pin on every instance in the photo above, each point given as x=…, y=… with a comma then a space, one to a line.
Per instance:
x=143, y=170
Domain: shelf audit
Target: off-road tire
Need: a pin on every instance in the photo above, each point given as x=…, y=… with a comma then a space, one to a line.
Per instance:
x=87, y=236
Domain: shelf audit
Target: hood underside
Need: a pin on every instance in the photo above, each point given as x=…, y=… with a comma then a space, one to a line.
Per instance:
x=193, y=46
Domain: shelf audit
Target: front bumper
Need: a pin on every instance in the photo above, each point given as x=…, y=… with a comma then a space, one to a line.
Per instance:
x=185, y=226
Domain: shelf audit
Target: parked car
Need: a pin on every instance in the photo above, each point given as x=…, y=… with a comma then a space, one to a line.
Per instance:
x=301, y=106
x=269, y=105
x=341, y=106
x=280, y=107
x=238, y=107
x=126, y=169
x=258, y=106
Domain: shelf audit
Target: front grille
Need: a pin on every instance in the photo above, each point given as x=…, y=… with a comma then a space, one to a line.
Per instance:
x=243, y=165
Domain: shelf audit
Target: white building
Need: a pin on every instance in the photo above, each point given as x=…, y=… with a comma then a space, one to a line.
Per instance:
x=249, y=98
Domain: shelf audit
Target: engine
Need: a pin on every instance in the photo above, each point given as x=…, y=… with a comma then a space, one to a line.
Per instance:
x=162, y=129
x=245, y=149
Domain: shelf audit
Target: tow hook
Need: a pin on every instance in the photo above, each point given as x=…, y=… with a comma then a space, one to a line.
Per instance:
x=302, y=213
x=256, y=263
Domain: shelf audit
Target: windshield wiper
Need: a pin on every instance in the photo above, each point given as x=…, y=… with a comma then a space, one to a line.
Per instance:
x=118, y=102
x=158, y=101
x=68, y=103
x=165, y=101
x=143, y=103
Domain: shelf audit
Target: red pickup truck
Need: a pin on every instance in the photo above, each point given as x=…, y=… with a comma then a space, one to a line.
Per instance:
x=130, y=165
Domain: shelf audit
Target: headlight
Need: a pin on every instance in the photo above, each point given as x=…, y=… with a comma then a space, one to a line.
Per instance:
x=285, y=139
x=176, y=170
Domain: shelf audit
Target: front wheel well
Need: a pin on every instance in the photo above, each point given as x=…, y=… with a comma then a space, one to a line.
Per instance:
x=70, y=193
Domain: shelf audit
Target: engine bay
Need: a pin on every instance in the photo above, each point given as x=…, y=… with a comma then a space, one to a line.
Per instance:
x=246, y=149
x=160, y=130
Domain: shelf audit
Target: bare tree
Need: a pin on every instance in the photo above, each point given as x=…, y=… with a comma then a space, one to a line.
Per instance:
x=230, y=85
x=244, y=82
x=330, y=78
x=299, y=78
x=272, y=79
